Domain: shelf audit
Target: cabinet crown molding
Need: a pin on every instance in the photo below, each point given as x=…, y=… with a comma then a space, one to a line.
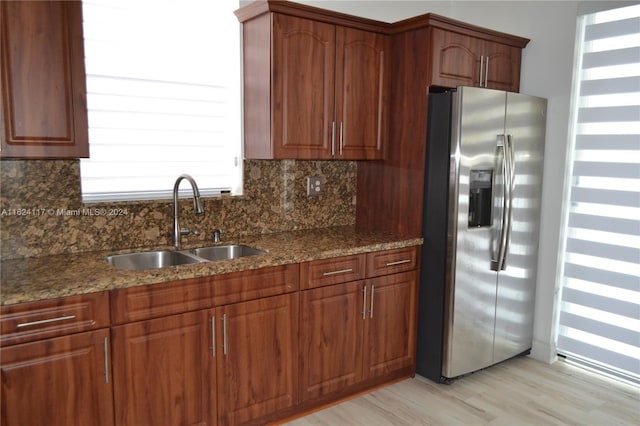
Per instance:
x=261, y=7
x=438, y=21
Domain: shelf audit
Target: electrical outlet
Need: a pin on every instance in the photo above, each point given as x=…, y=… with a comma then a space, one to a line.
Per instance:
x=314, y=185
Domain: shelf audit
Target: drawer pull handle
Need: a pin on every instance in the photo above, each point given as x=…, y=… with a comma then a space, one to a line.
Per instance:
x=45, y=321
x=399, y=262
x=106, y=361
x=224, y=334
x=213, y=336
x=373, y=288
x=341, y=271
x=364, y=302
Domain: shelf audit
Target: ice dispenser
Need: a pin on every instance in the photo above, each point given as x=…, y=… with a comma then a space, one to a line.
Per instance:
x=480, y=198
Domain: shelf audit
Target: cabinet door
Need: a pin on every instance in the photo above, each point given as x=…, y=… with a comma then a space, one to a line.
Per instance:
x=390, y=330
x=362, y=79
x=456, y=59
x=503, y=67
x=331, y=338
x=43, y=80
x=303, y=88
x=257, y=358
x=63, y=381
x=164, y=371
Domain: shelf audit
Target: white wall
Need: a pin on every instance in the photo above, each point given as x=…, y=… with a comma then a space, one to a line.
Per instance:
x=547, y=64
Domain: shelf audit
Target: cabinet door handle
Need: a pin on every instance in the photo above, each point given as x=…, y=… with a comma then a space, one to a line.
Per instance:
x=45, y=321
x=224, y=334
x=371, y=301
x=486, y=73
x=481, y=70
x=105, y=347
x=341, y=271
x=364, y=302
x=341, y=138
x=213, y=336
x=398, y=262
x=333, y=139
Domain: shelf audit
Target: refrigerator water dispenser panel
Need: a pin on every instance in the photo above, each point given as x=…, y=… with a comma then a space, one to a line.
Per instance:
x=480, y=199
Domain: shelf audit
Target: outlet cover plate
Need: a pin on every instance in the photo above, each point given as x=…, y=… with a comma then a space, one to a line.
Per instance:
x=314, y=185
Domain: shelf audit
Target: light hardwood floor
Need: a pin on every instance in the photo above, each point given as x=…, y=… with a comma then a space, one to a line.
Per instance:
x=521, y=391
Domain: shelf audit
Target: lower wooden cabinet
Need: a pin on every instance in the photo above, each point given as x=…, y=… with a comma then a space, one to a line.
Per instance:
x=390, y=328
x=228, y=365
x=185, y=361
x=331, y=338
x=356, y=331
x=62, y=381
x=257, y=355
x=164, y=371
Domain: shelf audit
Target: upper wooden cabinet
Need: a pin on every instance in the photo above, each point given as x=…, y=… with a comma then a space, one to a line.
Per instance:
x=428, y=50
x=44, y=113
x=362, y=77
x=462, y=60
x=313, y=89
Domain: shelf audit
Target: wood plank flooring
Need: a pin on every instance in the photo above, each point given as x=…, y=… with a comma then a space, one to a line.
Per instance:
x=521, y=391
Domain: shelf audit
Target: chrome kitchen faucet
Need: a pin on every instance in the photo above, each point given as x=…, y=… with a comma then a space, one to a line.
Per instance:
x=178, y=232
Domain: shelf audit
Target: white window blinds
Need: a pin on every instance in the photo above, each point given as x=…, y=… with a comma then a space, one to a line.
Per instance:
x=599, y=321
x=163, y=94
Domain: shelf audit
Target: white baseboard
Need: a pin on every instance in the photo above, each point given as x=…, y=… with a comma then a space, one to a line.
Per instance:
x=544, y=352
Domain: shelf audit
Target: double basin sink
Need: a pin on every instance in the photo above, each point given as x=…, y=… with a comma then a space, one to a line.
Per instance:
x=163, y=258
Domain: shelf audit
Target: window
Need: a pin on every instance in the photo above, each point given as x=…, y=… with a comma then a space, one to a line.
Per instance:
x=163, y=94
x=599, y=321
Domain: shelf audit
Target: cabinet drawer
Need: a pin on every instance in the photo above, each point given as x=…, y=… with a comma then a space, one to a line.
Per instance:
x=392, y=261
x=319, y=273
x=26, y=322
x=177, y=297
x=255, y=284
x=162, y=299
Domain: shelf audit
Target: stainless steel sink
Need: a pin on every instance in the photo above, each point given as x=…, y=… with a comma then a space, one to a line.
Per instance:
x=151, y=259
x=226, y=252
x=163, y=258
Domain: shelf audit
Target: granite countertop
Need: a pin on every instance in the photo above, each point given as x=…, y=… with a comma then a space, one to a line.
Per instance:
x=38, y=278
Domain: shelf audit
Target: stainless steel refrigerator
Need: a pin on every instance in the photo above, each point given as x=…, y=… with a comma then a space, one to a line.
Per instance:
x=481, y=220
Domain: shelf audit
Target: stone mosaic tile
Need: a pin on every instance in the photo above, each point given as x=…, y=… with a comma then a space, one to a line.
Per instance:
x=41, y=212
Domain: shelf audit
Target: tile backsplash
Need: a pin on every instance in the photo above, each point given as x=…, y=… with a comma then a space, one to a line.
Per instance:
x=41, y=209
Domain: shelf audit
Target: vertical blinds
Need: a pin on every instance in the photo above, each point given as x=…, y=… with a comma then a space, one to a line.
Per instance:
x=163, y=95
x=599, y=320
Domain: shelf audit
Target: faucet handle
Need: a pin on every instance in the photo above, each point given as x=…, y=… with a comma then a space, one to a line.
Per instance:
x=187, y=231
x=216, y=235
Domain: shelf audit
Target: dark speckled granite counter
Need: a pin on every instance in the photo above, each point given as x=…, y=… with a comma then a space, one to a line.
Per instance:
x=38, y=278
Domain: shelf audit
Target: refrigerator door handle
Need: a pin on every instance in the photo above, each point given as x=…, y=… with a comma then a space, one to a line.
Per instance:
x=511, y=187
x=496, y=264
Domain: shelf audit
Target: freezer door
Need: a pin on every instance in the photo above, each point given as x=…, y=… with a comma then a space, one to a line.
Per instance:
x=470, y=292
x=525, y=131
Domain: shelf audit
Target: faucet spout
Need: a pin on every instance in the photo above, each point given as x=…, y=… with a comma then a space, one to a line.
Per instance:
x=198, y=208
